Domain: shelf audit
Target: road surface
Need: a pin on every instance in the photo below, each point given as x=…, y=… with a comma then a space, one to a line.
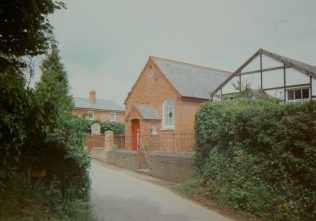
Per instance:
x=118, y=195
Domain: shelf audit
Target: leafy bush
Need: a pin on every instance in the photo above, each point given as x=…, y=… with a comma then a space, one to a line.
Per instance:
x=38, y=133
x=116, y=127
x=259, y=156
x=40, y=201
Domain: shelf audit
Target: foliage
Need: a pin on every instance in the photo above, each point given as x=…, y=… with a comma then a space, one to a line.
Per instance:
x=15, y=114
x=40, y=201
x=116, y=127
x=37, y=132
x=25, y=29
x=53, y=71
x=259, y=156
x=63, y=134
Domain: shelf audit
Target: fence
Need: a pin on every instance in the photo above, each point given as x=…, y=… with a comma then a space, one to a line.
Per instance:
x=175, y=142
x=95, y=141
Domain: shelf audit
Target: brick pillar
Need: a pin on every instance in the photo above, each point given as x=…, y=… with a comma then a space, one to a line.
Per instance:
x=108, y=139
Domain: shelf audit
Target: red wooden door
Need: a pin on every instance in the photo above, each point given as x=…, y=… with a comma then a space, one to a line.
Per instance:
x=135, y=130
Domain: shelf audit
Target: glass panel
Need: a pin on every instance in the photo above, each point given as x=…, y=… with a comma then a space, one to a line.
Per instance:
x=168, y=113
x=112, y=116
x=298, y=94
x=305, y=93
x=290, y=95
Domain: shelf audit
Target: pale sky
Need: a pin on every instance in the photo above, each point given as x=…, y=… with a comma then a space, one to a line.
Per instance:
x=104, y=44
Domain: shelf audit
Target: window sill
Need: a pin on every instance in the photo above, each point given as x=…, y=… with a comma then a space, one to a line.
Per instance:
x=298, y=100
x=167, y=128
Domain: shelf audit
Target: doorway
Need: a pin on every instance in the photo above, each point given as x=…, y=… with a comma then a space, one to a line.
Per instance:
x=135, y=130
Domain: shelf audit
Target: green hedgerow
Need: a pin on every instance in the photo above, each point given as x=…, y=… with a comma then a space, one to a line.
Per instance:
x=259, y=156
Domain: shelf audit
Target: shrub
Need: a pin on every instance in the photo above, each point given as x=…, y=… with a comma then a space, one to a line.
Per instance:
x=38, y=133
x=259, y=156
x=116, y=127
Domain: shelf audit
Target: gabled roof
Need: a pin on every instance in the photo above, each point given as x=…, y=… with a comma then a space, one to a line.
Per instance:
x=147, y=111
x=99, y=105
x=191, y=80
x=299, y=66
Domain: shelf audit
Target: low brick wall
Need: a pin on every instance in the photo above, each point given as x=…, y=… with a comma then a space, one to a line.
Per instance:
x=98, y=153
x=177, y=167
x=122, y=158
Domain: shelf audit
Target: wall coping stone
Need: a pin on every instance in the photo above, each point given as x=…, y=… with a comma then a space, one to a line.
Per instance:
x=189, y=155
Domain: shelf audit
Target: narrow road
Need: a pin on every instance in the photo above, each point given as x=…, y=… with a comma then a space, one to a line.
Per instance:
x=118, y=195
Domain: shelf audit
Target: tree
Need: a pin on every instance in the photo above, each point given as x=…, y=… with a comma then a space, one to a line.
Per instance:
x=24, y=29
x=54, y=81
x=37, y=131
x=63, y=134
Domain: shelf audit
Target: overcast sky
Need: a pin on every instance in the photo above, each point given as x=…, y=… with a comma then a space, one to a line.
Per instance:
x=104, y=44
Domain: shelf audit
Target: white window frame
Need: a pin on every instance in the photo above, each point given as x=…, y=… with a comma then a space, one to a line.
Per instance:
x=295, y=99
x=167, y=121
x=112, y=116
x=153, y=129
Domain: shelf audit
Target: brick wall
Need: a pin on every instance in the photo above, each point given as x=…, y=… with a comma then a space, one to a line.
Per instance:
x=122, y=158
x=177, y=167
x=154, y=90
x=95, y=141
x=100, y=115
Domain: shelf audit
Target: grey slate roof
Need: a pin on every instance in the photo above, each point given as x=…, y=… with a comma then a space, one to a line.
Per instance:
x=191, y=80
x=147, y=111
x=99, y=105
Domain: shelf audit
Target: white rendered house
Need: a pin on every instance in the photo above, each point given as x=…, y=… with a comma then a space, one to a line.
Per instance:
x=280, y=77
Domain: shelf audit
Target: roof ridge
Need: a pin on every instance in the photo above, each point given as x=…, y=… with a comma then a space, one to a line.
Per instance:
x=97, y=99
x=181, y=62
x=286, y=57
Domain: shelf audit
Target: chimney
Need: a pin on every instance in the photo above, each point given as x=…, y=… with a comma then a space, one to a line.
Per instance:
x=93, y=98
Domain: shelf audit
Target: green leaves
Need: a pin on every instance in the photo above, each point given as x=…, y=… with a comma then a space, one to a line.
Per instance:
x=25, y=29
x=114, y=126
x=259, y=156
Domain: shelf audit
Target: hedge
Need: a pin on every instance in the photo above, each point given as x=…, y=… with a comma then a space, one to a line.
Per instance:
x=259, y=156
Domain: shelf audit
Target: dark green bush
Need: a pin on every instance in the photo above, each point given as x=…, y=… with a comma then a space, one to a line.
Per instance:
x=38, y=132
x=259, y=156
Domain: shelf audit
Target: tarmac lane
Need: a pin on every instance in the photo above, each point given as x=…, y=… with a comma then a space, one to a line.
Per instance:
x=118, y=195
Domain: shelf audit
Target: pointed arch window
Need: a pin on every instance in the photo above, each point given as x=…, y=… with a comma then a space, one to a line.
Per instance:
x=168, y=115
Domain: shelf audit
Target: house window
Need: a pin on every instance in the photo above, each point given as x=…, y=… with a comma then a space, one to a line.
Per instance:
x=90, y=115
x=112, y=116
x=298, y=94
x=168, y=115
x=153, y=129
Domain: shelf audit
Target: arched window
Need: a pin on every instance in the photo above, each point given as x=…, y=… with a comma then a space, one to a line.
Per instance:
x=168, y=115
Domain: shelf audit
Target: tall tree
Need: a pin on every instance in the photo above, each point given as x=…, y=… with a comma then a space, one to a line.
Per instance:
x=63, y=144
x=54, y=79
x=24, y=29
x=53, y=91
